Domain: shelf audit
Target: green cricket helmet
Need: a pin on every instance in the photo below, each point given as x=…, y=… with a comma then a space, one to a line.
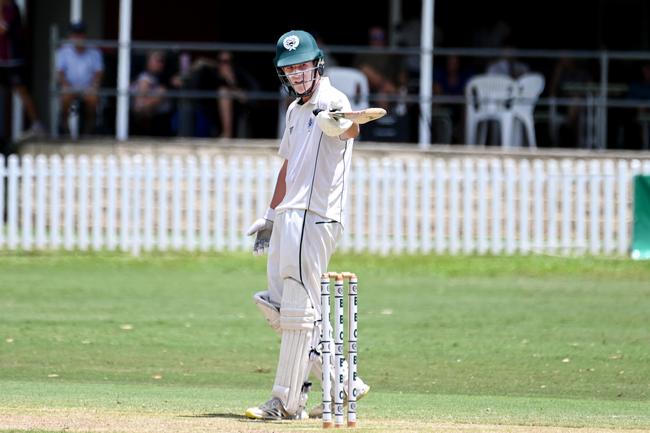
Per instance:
x=293, y=48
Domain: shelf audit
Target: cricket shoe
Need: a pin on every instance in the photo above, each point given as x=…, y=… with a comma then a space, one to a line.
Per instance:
x=317, y=411
x=273, y=410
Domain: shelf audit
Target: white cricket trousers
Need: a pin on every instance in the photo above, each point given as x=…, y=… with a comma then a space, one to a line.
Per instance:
x=300, y=248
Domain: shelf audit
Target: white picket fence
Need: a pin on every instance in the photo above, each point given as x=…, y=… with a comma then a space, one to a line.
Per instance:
x=398, y=205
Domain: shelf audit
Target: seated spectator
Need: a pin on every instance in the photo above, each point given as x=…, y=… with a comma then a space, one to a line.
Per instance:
x=227, y=117
x=150, y=108
x=386, y=72
x=12, y=62
x=80, y=70
x=508, y=65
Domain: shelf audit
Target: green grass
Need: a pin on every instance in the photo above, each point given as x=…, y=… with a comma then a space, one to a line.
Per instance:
x=506, y=340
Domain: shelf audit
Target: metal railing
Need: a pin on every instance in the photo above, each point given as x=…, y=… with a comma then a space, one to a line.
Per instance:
x=596, y=97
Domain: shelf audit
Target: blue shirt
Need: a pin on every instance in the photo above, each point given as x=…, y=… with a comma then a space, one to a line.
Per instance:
x=79, y=69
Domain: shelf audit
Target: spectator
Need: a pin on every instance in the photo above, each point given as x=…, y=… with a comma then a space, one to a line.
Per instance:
x=566, y=82
x=12, y=62
x=450, y=80
x=231, y=84
x=80, y=70
x=639, y=90
x=386, y=72
x=150, y=108
x=508, y=65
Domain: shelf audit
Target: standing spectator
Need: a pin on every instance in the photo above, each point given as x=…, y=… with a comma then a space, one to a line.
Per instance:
x=150, y=108
x=80, y=70
x=12, y=62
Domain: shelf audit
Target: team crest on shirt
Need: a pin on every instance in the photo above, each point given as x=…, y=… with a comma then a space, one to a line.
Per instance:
x=291, y=42
x=310, y=123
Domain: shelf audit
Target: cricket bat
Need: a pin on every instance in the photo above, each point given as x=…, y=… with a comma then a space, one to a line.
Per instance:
x=360, y=116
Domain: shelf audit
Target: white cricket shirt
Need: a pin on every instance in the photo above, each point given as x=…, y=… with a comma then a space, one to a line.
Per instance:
x=318, y=166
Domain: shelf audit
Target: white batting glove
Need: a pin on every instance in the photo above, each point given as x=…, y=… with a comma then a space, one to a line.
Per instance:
x=330, y=126
x=262, y=228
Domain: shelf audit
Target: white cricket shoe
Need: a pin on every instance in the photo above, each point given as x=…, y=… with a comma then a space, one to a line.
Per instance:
x=273, y=410
x=317, y=411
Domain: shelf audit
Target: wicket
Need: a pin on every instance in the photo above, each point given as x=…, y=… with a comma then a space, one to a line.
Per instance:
x=326, y=332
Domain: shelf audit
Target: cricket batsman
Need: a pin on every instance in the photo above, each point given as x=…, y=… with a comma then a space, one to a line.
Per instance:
x=303, y=223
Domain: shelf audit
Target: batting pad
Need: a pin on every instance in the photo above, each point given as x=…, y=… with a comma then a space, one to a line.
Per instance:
x=317, y=370
x=269, y=311
x=297, y=322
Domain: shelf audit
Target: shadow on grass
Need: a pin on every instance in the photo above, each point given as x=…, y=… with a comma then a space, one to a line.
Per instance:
x=217, y=415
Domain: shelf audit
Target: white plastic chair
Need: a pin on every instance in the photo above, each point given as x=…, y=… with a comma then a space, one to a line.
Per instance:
x=489, y=98
x=529, y=87
x=352, y=82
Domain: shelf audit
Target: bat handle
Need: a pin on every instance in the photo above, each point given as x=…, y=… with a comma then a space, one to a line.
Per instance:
x=316, y=111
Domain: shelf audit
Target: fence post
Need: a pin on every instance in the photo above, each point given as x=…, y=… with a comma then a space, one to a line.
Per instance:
x=3, y=174
x=567, y=204
x=148, y=217
x=27, y=203
x=204, y=200
x=608, y=206
x=623, y=180
x=190, y=213
x=497, y=181
x=411, y=199
x=594, y=209
x=398, y=201
x=125, y=202
x=82, y=212
x=524, y=206
x=425, y=212
x=234, y=174
x=483, y=216
x=440, y=179
x=468, y=203
x=55, y=202
x=12, y=202
x=360, y=228
x=220, y=204
x=580, y=208
x=511, y=208
x=177, y=216
x=163, y=204
x=69, y=175
x=41, y=208
x=373, y=228
x=539, y=180
x=454, y=206
x=553, y=177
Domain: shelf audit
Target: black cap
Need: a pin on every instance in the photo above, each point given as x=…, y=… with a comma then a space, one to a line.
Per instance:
x=77, y=27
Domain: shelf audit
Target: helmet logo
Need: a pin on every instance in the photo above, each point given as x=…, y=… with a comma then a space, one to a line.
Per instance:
x=291, y=42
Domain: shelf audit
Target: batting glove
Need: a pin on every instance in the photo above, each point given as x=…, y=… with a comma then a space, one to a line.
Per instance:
x=262, y=229
x=331, y=126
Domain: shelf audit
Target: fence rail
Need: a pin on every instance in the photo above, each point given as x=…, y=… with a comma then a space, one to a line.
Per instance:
x=396, y=205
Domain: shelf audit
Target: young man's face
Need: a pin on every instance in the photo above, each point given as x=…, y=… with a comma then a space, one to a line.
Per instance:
x=300, y=76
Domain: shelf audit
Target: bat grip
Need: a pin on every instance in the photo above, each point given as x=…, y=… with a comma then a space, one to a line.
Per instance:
x=318, y=110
